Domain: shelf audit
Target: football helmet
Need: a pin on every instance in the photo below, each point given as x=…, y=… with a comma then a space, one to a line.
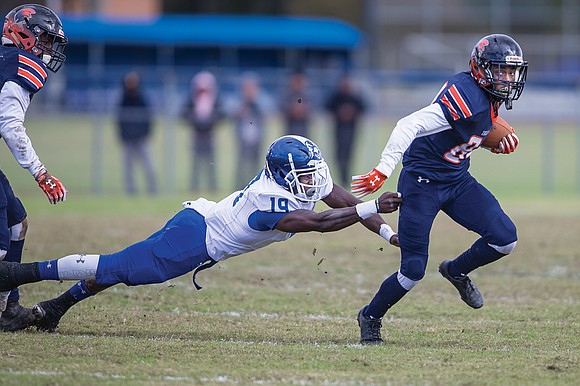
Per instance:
x=38, y=30
x=491, y=58
x=296, y=164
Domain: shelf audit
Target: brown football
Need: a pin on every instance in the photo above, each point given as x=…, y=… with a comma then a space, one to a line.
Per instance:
x=498, y=130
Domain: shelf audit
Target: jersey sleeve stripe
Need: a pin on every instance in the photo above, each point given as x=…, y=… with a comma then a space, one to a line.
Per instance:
x=450, y=107
x=30, y=64
x=30, y=77
x=459, y=101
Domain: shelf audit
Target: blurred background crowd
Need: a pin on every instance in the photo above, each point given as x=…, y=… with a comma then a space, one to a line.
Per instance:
x=152, y=65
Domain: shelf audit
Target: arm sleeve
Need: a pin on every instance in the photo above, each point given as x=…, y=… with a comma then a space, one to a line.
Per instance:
x=14, y=101
x=428, y=120
x=265, y=221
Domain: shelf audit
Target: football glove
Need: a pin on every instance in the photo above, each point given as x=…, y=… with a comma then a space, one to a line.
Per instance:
x=51, y=186
x=507, y=145
x=367, y=183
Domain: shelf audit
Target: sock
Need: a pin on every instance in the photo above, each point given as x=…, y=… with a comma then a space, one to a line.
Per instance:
x=389, y=293
x=79, y=291
x=72, y=296
x=477, y=256
x=14, y=254
x=48, y=270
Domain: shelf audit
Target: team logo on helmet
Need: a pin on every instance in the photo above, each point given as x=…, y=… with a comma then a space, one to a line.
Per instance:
x=314, y=150
x=482, y=44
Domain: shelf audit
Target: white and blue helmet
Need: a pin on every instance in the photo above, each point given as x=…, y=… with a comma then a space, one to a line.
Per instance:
x=296, y=164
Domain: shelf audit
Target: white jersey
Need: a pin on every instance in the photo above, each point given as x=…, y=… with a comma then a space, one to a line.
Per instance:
x=245, y=220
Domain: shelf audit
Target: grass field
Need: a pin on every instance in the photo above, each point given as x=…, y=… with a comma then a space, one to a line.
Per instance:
x=286, y=314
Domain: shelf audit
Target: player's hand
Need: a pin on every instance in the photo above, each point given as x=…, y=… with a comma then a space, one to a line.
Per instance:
x=367, y=183
x=389, y=202
x=507, y=145
x=395, y=240
x=51, y=186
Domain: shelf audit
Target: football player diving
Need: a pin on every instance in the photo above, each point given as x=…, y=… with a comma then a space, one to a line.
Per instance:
x=435, y=143
x=278, y=203
x=32, y=42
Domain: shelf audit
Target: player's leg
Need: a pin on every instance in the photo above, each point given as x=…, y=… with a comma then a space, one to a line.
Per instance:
x=415, y=221
x=478, y=210
x=4, y=234
x=71, y=267
x=16, y=317
x=13, y=227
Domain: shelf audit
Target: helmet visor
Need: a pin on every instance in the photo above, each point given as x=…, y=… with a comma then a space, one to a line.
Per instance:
x=52, y=46
x=507, y=79
x=308, y=184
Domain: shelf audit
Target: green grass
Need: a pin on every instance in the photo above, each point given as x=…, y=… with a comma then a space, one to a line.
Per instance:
x=286, y=314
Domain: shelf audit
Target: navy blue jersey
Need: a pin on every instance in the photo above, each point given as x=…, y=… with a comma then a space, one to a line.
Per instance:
x=21, y=67
x=444, y=156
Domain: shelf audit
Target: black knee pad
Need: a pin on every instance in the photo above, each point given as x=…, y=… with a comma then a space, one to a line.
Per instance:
x=414, y=268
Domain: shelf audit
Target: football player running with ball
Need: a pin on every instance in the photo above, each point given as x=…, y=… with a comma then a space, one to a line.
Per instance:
x=275, y=205
x=32, y=42
x=435, y=143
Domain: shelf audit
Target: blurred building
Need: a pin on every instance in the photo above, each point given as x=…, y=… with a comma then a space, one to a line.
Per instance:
x=387, y=43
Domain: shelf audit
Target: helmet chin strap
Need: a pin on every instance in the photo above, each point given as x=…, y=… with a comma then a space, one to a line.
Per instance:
x=310, y=192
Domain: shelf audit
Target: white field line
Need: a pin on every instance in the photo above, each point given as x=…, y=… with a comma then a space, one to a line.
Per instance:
x=219, y=379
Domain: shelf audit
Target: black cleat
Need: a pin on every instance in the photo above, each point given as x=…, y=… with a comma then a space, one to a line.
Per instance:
x=370, y=329
x=16, y=318
x=48, y=316
x=467, y=290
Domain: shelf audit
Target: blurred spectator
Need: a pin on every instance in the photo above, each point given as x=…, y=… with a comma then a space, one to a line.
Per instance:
x=134, y=124
x=249, y=121
x=203, y=112
x=346, y=107
x=295, y=106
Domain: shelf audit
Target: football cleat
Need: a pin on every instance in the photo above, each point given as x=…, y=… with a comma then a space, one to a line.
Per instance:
x=467, y=289
x=16, y=317
x=48, y=316
x=370, y=329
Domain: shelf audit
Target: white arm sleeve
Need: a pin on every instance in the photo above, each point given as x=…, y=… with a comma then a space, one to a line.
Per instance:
x=428, y=120
x=14, y=102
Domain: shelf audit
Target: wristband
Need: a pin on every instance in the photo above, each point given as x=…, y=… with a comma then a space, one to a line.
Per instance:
x=386, y=232
x=366, y=209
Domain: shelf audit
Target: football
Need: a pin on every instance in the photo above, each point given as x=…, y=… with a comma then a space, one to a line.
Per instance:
x=498, y=130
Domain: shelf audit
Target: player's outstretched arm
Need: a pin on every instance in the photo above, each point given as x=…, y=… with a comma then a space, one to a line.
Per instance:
x=340, y=198
x=338, y=218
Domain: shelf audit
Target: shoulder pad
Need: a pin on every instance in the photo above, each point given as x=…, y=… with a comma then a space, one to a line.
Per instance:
x=24, y=69
x=462, y=99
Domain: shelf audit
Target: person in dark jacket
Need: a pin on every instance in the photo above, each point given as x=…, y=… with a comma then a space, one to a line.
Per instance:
x=134, y=123
x=346, y=107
